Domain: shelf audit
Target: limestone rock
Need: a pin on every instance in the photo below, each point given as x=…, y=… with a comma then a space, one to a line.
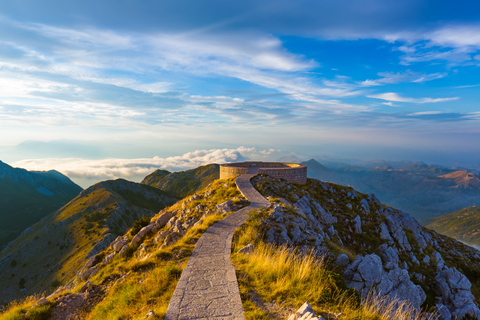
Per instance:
x=150, y=315
x=325, y=216
x=224, y=207
x=43, y=301
x=366, y=273
x=140, y=236
x=455, y=291
x=90, y=272
x=390, y=256
x=305, y=313
x=365, y=206
x=358, y=224
x=170, y=239
x=342, y=260
x=249, y=248
x=108, y=258
x=163, y=219
x=384, y=234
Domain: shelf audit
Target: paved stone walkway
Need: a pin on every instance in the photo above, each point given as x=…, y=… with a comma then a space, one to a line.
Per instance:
x=208, y=287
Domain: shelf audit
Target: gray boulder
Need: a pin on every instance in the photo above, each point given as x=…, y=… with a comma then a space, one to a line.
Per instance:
x=324, y=215
x=358, y=224
x=342, y=260
x=249, y=248
x=384, y=234
x=224, y=207
x=390, y=256
x=164, y=218
x=140, y=236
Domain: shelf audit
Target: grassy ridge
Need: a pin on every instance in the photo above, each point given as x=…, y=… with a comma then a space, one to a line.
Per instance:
x=462, y=225
x=183, y=183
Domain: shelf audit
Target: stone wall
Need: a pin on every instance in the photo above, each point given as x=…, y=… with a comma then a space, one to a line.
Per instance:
x=292, y=172
x=227, y=172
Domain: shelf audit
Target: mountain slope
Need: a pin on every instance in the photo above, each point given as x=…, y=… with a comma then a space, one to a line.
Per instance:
x=28, y=196
x=51, y=251
x=463, y=225
x=375, y=247
x=368, y=247
x=183, y=183
x=424, y=191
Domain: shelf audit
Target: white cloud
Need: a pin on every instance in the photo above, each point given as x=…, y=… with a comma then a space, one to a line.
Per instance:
x=407, y=76
x=87, y=172
x=423, y=113
x=392, y=96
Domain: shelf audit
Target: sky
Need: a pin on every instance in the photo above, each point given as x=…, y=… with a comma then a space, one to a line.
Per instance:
x=129, y=86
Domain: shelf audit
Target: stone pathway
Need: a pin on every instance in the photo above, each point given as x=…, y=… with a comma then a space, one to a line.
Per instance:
x=208, y=287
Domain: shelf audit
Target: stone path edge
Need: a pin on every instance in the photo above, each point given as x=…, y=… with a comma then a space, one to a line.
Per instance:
x=176, y=310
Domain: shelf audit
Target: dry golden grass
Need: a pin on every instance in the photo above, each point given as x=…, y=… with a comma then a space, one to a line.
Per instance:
x=25, y=310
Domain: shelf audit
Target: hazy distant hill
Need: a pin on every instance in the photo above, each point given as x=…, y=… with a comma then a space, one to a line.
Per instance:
x=51, y=251
x=422, y=190
x=183, y=183
x=463, y=225
x=28, y=196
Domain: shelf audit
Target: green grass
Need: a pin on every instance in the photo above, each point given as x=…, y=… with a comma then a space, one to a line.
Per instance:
x=463, y=225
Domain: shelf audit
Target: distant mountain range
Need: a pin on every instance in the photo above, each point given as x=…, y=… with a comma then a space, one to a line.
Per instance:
x=422, y=190
x=463, y=225
x=51, y=251
x=28, y=196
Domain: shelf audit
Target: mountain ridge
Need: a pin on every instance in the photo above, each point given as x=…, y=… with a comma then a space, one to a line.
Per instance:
x=28, y=196
x=48, y=252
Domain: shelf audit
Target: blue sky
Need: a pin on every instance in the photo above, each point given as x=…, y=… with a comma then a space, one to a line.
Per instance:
x=96, y=80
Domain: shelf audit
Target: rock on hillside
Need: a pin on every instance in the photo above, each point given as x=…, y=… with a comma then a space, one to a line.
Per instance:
x=463, y=225
x=51, y=251
x=183, y=183
x=376, y=247
x=28, y=196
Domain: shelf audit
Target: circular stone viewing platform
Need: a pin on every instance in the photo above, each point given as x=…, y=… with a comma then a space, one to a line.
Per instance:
x=292, y=172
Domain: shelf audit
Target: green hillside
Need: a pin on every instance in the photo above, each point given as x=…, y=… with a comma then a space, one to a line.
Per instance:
x=183, y=183
x=463, y=225
x=28, y=196
x=53, y=250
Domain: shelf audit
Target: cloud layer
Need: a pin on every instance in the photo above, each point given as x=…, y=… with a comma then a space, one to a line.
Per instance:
x=87, y=172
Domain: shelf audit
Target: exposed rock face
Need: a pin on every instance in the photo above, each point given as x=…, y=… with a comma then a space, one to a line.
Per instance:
x=395, y=255
x=366, y=274
x=455, y=290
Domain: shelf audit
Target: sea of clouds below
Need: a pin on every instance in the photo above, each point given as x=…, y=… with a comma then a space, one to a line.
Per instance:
x=87, y=172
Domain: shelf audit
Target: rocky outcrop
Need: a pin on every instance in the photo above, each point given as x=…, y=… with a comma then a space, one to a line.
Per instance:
x=456, y=297
x=366, y=274
x=395, y=255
